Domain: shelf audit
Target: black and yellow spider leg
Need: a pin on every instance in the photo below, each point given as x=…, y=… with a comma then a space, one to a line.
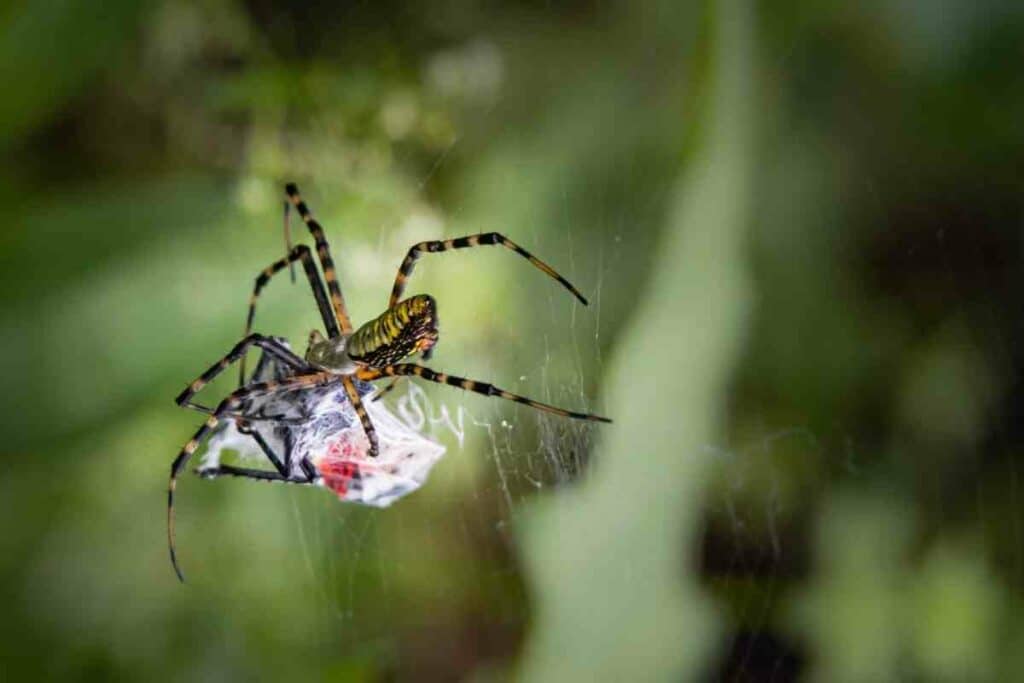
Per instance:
x=381, y=393
x=299, y=253
x=323, y=251
x=364, y=418
x=485, y=239
x=369, y=374
x=231, y=402
x=268, y=344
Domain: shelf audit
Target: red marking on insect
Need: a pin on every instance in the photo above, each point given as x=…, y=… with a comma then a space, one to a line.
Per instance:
x=337, y=475
x=337, y=467
x=343, y=449
x=344, y=461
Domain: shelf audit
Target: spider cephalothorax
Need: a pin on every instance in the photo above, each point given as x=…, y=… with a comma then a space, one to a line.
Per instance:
x=330, y=354
x=344, y=357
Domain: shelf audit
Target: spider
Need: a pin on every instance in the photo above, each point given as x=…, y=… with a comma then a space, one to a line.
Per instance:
x=345, y=356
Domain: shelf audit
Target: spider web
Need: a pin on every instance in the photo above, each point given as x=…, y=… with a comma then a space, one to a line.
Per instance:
x=499, y=456
x=352, y=561
x=751, y=534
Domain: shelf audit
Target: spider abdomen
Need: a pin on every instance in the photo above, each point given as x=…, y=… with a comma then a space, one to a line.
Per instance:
x=404, y=329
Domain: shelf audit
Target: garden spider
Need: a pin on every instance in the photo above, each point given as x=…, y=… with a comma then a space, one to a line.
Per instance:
x=344, y=357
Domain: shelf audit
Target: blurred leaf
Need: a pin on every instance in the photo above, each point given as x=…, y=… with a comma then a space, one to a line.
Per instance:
x=604, y=560
x=852, y=612
x=49, y=51
x=955, y=609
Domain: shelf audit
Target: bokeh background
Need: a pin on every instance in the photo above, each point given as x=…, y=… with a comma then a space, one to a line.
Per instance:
x=800, y=230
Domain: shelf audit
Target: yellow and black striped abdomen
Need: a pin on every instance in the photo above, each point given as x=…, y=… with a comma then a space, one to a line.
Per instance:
x=404, y=329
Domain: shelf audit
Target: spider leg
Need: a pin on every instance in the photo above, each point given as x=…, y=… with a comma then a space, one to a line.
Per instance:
x=483, y=239
x=369, y=374
x=277, y=419
x=230, y=402
x=386, y=390
x=284, y=468
x=323, y=251
x=288, y=240
x=247, y=473
x=299, y=253
x=269, y=345
x=364, y=418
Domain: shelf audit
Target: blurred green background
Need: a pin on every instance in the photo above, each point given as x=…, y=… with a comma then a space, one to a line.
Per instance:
x=799, y=227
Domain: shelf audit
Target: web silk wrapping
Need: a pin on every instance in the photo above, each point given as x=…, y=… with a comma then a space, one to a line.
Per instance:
x=324, y=429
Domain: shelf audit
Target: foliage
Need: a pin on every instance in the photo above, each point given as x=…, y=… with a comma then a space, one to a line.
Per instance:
x=834, y=481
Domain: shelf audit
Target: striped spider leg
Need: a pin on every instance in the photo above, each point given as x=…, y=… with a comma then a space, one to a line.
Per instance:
x=269, y=345
x=478, y=240
x=226, y=406
x=323, y=252
x=412, y=369
x=335, y=314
